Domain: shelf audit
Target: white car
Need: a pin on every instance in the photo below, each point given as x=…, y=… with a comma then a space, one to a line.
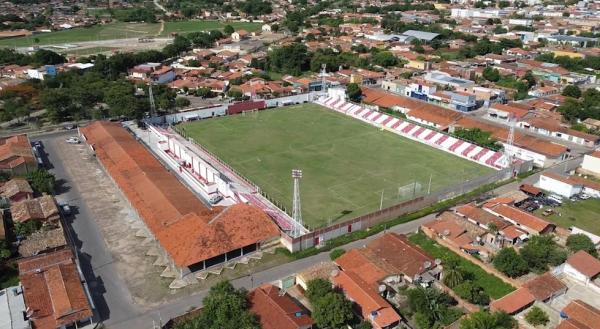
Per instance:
x=73, y=140
x=584, y=196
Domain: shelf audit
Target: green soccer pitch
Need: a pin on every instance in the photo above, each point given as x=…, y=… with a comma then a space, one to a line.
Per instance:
x=347, y=164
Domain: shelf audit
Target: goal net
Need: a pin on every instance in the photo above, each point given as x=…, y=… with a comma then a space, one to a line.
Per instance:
x=409, y=191
x=251, y=113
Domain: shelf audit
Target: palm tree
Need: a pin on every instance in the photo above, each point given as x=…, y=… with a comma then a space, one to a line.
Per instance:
x=453, y=276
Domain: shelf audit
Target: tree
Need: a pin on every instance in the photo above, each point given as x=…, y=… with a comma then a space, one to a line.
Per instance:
x=432, y=307
x=317, y=288
x=228, y=29
x=491, y=74
x=472, y=292
x=275, y=28
x=224, y=308
x=572, y=91
x=182, y=102
x=332, y=310
x=28, y=227
x=509, y=262
x=540, y=251
x=530, y=79
x=41, y=181
x=453, y=276
x=486, y=320
x=354, y=92
x=385, y=59
x=336, y=253
x=537, y=317
x=5, y=252
x=576, y=242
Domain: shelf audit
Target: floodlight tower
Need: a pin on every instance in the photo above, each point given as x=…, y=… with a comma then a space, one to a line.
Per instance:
x=151, y=97
x=510, y=139
x=297, y=211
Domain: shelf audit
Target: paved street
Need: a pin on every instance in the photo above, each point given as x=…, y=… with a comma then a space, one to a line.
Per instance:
x=110, y=293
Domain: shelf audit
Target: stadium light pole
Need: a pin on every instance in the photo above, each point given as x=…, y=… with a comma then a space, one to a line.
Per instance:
x=381, y=201
x=297, y=210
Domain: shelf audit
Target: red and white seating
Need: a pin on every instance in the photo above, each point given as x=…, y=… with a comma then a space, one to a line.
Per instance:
x=418, y=133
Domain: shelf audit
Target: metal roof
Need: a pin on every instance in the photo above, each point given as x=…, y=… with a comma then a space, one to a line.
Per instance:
x=421, y=35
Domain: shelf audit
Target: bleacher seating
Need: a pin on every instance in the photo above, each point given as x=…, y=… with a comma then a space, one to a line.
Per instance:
x=418, y=133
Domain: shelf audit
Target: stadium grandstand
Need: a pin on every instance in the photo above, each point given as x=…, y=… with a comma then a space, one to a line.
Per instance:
x=418, y=133
x=193, y=236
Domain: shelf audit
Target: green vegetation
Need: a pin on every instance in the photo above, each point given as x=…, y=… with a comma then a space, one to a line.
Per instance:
x=9, y=275
x=189, y=26
x=472, y=292
x=26, y=228
x=336, y=253
x=354, y=92
x=509, y=262
x=432, y=308
x=587, y=107
x=5, y=252
x=493, y=286
x=330, y=307
x=118, y=30
x=577, y=242
x=572, y=64
x=582, y=214
x=486, y=320
x=41, y=181
x=572, y=91
x=537, y=317
x=224, y=308
x=541, y=251
x=479, y=137
x=347, y=164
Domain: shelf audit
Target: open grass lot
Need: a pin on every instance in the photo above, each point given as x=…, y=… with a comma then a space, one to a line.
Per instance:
x=121, y=30
x=492, y=285
x=346, y=163
x=80, y=34
x=183, y=27
x=584, y=214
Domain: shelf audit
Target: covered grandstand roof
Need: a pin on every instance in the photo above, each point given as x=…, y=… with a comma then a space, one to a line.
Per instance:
x=188, y=230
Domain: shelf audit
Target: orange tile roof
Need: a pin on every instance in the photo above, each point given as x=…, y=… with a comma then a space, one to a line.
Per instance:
x=367, y=298
x=517, y=112
x=581, y=315
x=513, y=302
x=16, y=151
x=545, y=286
x=396, y=251
x=52, y=290
x=277, y=311
x=585, y=263
x=481, y=216
x=358, y=262
x=188, y=230
x=521, y=217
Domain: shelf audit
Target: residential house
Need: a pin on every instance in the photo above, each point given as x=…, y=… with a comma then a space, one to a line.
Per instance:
x=507, y=112
x=458, y=232
x=16, y=155
x=277, y=310
x=53, y=291
x=43, y=209
x=543, y=288
x=16, y=190
x=591, y=164
x=582, y=267
x=239, y=35
x=549, y=125
x=367, y=302
x=579, y=315
x=155, y=73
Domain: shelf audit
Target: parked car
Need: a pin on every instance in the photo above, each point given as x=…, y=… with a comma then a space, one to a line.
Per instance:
x=66, y=209
x=584, y=196
x=215, y=199
x=73, y=140
x=70, y=126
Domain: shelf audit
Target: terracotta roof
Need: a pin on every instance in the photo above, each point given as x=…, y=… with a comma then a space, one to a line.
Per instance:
x=277, y=311
x=585, y=263
x=188, y=230
x=481, y=216
x=14, y=187
x=545, y=286
x=521, y=217
x=513, y=302
x=52, y=290
x=16, y=151
x=515, y=111
x=360, y=263
x=581, y=316
x=528, y=188
x=43, y=240
x=396, y=251
x=512, y=232
x=372, y=306
x=43, y=208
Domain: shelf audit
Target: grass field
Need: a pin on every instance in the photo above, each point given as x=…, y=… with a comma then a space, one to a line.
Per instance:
x=492, y=285
x=120, y=30
x=347, y=164
x=584, y=214
x=183, y=27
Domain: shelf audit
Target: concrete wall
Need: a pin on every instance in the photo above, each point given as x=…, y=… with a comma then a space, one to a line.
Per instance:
x=591, y=164
x=558, y=187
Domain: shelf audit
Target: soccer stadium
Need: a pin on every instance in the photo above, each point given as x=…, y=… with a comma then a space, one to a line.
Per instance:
x=354, y=160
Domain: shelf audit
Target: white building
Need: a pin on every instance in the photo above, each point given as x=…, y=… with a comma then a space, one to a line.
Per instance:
x=568, y=186
x=581, y=267
x=12, y=308
x=591, y=163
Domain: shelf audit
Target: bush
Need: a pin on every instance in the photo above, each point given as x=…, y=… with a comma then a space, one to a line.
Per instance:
x=576, y=242
x=336, y=253
x=472, y=292
x=537, y=317
x=316, y=289
x=28, y=227
x=41, y=181
x=510, y=263
x=542, y=251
